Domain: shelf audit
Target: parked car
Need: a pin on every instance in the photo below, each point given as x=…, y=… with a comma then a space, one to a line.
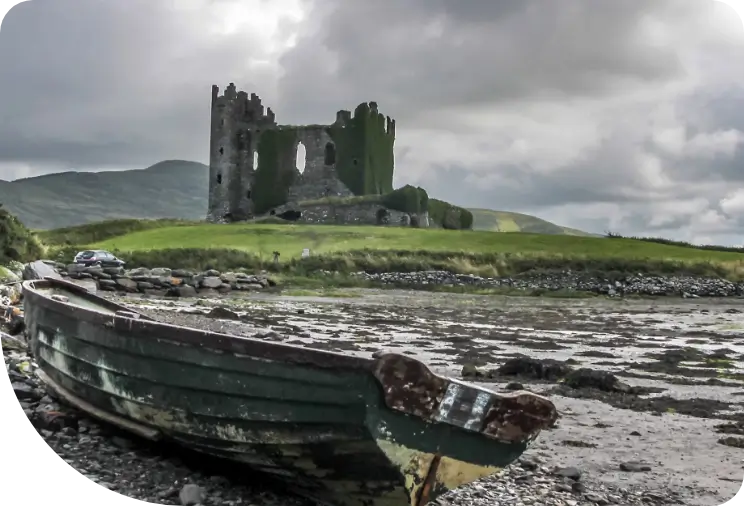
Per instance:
x=98, y=257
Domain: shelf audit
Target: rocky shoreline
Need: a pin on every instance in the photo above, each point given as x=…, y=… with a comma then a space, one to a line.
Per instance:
x=680, y=286
x=163, y=281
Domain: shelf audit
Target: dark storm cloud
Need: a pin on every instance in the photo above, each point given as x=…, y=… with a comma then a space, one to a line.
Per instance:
x=420, y=55
x=93, y=84
x=426, y=62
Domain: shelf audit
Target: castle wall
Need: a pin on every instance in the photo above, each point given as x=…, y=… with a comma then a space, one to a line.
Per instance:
x=353, y=156
x=319, y=179
x=355, y=214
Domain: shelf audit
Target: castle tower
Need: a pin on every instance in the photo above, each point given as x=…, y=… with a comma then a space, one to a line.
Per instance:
x=237, y=121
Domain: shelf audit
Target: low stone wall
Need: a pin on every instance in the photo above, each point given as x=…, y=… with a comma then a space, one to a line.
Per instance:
x=680, y=286
x=166, y=282
x=343, y=214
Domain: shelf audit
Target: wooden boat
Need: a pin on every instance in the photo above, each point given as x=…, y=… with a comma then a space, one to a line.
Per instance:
x=342, y=430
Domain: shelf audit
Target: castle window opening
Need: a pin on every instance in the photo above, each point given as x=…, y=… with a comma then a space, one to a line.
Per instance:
x=301, y=159
x=222, y=151
x=330, y=154
x=219, y=178
x=355, y=161
x=255, y=160
x=248, y=194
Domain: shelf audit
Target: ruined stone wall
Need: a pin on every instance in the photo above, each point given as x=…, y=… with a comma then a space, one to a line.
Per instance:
x=356, y=214
x=319, y=178
x=253, y=160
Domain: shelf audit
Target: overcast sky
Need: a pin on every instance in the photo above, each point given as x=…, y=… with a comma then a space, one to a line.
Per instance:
x=598, y=114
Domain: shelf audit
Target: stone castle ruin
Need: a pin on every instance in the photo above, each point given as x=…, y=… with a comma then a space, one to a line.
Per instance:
x=347, y=176
x=253, y=167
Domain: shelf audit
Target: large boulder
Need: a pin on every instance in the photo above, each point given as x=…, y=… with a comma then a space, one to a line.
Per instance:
x=40, y=270
x=127, y=284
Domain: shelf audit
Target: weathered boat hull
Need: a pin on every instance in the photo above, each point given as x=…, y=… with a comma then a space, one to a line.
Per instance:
x=343, y=430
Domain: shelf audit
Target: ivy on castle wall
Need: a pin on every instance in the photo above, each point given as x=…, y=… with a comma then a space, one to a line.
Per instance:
x=408, y=199
x=364, y=152
x=276, y=169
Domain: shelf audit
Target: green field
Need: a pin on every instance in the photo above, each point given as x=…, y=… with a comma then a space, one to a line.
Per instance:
x=350, y=248
x=289, y=240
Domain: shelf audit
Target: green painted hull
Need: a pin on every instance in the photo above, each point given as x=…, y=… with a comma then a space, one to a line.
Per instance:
x=343, y=430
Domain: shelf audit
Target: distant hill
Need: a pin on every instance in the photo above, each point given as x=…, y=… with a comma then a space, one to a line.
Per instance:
x=504, y=221
x=169, y=189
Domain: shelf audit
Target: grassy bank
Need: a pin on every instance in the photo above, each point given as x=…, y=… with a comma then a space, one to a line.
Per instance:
x=383, y=249
x=88, y=234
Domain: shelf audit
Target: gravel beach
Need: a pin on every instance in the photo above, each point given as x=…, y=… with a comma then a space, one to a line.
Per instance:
x=665, y=432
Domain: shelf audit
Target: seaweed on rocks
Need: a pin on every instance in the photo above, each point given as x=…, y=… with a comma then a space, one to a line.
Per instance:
x=699, y=408
x=602, y=381
x=532, y=368
x=735, y=428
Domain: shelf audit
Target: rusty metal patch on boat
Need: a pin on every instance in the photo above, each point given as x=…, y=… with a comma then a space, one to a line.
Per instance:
x=519, y=416
x=409, y=386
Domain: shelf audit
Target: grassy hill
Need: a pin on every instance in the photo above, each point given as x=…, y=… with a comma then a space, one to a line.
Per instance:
x=170, y=189
x=503, y=221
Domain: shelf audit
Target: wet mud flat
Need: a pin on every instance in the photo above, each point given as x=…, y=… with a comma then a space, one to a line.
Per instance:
x=651, y=393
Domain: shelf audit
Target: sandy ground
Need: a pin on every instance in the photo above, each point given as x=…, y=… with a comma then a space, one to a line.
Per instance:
x=672, y=430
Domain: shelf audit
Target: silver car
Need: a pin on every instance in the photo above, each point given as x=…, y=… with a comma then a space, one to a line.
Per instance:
x=98, y=257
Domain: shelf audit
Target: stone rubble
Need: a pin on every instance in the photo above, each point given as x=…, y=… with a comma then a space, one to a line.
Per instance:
x=529, y=482
x=162, y=281
x=684, y=286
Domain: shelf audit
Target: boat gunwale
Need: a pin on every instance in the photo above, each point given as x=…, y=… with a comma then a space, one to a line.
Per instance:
x=146, y=327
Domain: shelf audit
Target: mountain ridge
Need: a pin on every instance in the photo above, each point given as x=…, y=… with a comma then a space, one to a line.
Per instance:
x=167, y=189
